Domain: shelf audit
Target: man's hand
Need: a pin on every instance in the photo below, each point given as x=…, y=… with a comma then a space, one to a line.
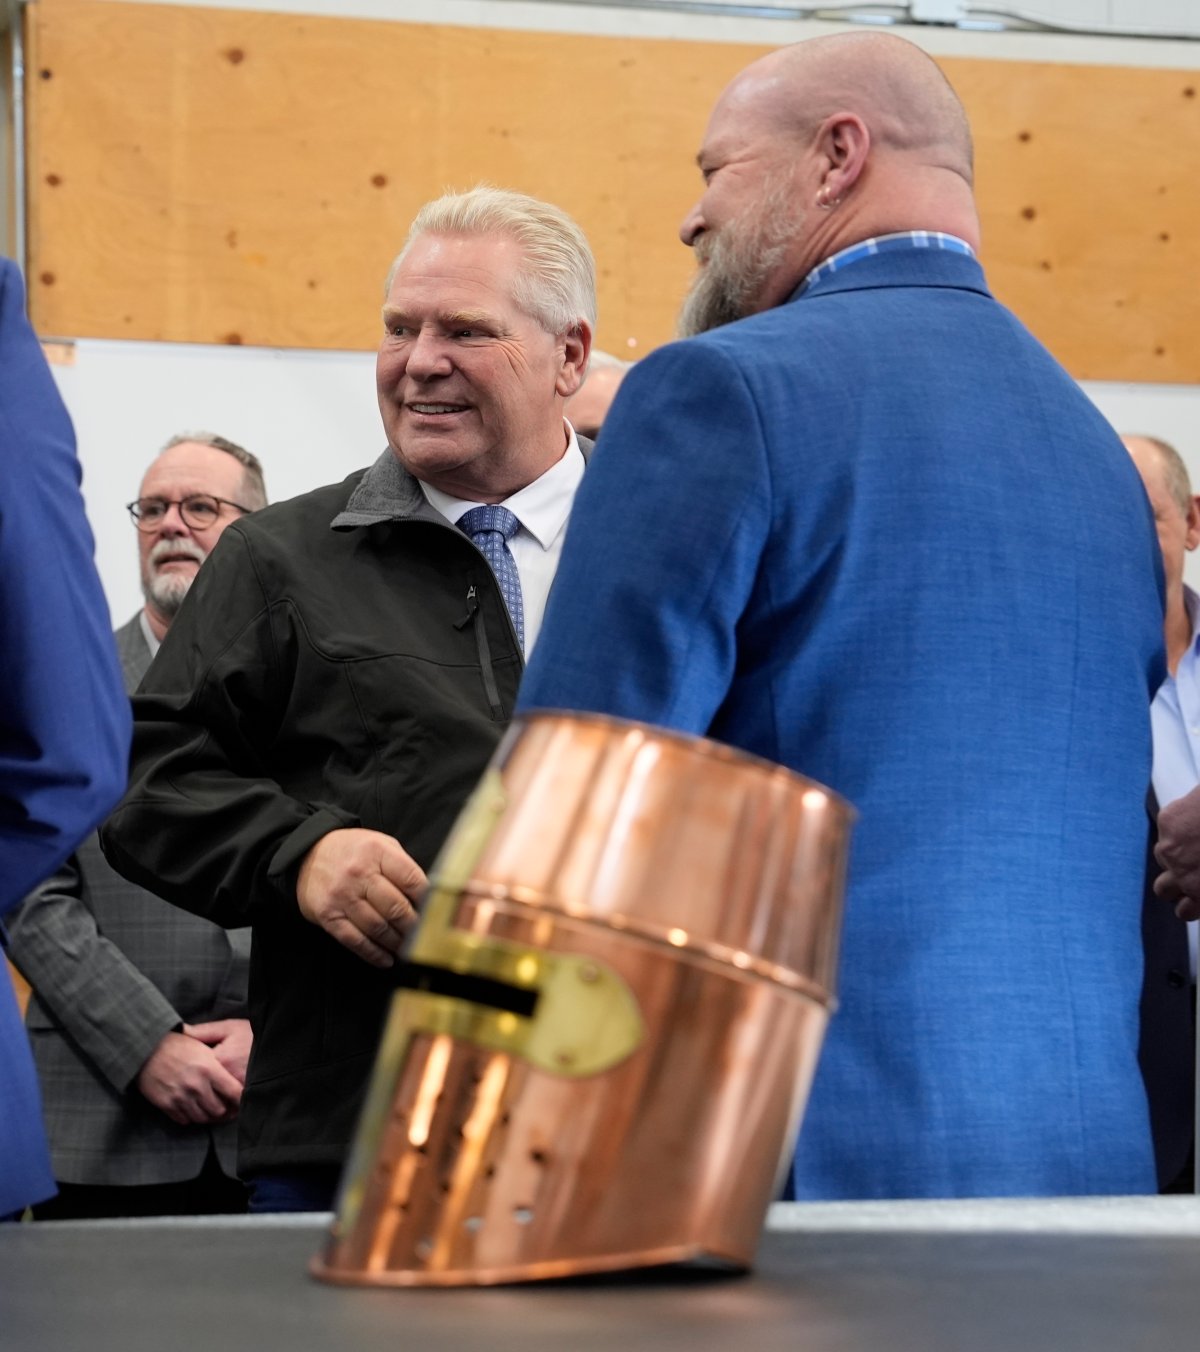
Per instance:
x=185, y=1079
x=230, y=1040
x=361, y=887
x=1178, y=851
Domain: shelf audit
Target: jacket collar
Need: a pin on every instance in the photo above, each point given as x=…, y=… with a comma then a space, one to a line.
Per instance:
x=387, y=492
x=902, y=267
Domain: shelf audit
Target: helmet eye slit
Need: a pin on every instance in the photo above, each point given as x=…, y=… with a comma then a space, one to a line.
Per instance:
x=479, y=990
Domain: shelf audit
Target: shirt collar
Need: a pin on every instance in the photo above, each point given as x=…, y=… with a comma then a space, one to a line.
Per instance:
x=148, y=634
x=903, y=239
x=541, y=507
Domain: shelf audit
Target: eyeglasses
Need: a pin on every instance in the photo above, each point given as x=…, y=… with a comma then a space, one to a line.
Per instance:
x=198, y=511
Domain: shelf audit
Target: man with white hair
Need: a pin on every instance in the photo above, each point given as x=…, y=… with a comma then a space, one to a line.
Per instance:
x=344, y=666
x=138, y=1013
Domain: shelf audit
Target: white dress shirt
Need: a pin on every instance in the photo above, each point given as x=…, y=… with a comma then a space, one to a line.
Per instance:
x=542, y=508
x=148, y=634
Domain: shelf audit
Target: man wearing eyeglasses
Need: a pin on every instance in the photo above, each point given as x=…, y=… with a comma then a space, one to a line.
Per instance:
x=196, y=487
x=138, y=1013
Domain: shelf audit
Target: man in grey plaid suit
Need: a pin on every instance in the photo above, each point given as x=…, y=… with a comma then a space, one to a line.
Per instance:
x=138, y=1018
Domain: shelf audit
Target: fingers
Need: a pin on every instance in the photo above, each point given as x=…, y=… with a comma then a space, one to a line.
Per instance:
x=404, y=873
x=209, y=1033
x=359, y=886
x=383, y=914
x=349, y=936
x=1166, y=885
x=184, y=1079
x=374, y=926
x=209, y=1094
x=225, y=1086
x=1180, y=819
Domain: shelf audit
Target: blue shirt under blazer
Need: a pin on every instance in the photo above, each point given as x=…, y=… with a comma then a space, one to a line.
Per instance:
x=64, y=716
x=877, y=534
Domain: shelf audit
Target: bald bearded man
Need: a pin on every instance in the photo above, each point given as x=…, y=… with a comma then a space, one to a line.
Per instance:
x=852, y=526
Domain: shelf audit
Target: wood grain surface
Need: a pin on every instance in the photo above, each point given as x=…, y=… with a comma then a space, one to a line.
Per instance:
x=224, y=176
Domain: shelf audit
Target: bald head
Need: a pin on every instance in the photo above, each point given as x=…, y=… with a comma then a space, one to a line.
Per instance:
x=1177, y=523
x=589, y=407
x=899, y=92
x=816, y=147
x=1155, y=457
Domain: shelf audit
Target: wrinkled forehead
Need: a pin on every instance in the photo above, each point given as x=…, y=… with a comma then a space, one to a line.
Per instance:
x=485, y=259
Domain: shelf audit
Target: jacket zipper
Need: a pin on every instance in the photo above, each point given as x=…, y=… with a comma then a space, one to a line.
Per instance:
x=474, y=617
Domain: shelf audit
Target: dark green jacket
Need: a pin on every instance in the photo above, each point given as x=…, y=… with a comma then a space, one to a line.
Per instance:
x=342, y=659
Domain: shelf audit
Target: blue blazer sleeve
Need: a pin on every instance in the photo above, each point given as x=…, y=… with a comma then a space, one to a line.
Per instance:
x=64, y=715
x=664, y=543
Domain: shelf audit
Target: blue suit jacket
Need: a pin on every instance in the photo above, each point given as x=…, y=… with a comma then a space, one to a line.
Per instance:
x=64, y=717
x=878, y=535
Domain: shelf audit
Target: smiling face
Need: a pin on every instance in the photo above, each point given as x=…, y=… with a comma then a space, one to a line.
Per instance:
x=740, y=261
x=471, y=388
x=171, y=554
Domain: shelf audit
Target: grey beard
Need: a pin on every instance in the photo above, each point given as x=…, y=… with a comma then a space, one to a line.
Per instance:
x=165, y=591
x=738, y=261
x=714, y=299
x=166, y=594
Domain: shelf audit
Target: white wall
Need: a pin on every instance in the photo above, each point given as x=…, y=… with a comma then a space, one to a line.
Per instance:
x=1171, y=412
x=312, y=419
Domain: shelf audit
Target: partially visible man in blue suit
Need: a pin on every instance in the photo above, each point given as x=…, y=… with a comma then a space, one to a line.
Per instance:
x=864, y=525
x=64, y=718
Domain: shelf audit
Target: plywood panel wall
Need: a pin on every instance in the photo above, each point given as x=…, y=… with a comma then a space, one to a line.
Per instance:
x=212, y=175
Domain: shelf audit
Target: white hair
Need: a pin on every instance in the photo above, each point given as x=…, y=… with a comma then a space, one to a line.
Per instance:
x=557, y=285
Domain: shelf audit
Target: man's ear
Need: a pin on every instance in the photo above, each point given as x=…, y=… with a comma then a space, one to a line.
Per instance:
x=844, y=142
x=577, y=348
x=1193, y=523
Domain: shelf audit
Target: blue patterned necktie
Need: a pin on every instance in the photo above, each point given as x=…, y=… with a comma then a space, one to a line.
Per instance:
x=491, y=528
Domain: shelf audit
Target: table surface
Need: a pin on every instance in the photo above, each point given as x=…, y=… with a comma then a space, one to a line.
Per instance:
x=1018, y=1276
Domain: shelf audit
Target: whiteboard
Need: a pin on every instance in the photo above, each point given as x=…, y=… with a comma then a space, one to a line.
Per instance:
x=312, y=418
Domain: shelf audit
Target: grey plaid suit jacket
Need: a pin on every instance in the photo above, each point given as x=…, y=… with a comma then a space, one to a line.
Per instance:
x=113, y=969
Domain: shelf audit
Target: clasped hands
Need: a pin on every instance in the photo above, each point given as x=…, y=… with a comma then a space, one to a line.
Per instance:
x=196, y=1076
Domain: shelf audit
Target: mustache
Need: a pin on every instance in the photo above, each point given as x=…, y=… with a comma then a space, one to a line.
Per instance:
x=176, y=549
